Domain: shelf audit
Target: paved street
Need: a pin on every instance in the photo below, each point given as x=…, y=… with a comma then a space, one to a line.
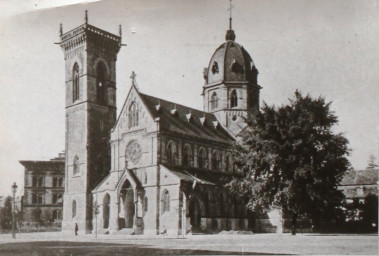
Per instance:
x=38, y=244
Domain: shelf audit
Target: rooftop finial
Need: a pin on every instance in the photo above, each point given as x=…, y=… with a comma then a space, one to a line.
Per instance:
x=86, y=17
x=230, y=33
x=230, y=14
x=60, y=29
x=133, y=77
x=120, y=30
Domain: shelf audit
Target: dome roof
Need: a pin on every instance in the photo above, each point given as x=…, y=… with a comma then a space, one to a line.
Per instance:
x=231, y=63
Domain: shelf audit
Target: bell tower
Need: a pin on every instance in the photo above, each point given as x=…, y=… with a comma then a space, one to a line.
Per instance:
x=231, y=87
x=90, y=56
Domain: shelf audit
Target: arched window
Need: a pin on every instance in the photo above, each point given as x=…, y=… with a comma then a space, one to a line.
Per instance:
x=171, y=153
x=165, y=201
x=214, y=101
x=100, y=83
x=202, y=158
x=133, y=115
x=76, y=165
x=233, y=99
x=187, y=155
x=216, y=163
x=106, y=208
x=229, y=163
x=73, y=208
x=75, y=82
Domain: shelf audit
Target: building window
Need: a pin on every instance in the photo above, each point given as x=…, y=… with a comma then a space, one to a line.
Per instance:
x=202, y=158
x=229, y=163
x=214, y=101
x=146, y=205
x=233, y=99
x=57, y=199
x=76, y=166
x=38, y=181
x=133, y=115
x=37, y=198
x=171, y=153
x=187, y=155
x=57, y=215
x=216, y=163
x=215, y=67
x=100, y=83
x=57, y=182
x=73, y=208
x=165, y=201
x=75, y=82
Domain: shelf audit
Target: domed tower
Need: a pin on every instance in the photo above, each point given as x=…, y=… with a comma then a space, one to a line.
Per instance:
x=231, y=88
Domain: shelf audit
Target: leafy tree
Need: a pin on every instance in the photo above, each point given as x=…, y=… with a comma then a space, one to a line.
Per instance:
x=6, y=214
x=292, y=160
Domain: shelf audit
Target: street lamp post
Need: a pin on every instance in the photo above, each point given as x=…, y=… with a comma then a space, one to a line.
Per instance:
x=14, y=189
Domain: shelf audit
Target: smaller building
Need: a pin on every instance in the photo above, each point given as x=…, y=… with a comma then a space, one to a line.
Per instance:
x=357, y=184
x=43, y=191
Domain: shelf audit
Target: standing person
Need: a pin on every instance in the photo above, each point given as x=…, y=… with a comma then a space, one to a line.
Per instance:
x=76, y=228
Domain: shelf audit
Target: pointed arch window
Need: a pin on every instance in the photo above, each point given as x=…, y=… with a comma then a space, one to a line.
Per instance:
x=100, y=83
x=133, y=115
x=202, y=158
x=171, y=153
x=216, y=163
x=165, y=201
x=75, y=82
x=229, y=163
x=187, y=155
x=233, y=99
x=214, y=101
x=76, y=166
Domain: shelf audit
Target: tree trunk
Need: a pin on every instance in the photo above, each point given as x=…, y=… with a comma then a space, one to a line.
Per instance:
x=294, y=223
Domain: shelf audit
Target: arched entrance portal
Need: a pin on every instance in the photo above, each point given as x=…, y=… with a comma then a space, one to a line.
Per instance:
x=127, y=205
x=194, y=211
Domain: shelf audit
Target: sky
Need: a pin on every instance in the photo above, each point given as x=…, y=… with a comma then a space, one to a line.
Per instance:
x=325, y=48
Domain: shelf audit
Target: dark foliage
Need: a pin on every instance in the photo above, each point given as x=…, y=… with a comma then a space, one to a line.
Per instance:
x=6, y=214
x=291, y=159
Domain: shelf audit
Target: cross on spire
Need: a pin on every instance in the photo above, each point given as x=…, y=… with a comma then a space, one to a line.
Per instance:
x=230, y=14
x=230, y=35
x=133, y=77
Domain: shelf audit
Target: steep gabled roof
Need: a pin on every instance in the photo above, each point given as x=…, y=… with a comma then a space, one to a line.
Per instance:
x=178, y=119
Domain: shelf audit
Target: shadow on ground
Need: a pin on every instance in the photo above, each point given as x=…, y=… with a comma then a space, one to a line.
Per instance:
x=58, y=248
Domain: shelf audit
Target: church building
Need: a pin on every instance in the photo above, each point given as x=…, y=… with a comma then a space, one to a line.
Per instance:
x=158, y=167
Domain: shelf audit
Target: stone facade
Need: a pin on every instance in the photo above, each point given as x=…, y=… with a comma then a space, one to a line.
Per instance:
x=90, y=63
x=160, y=167
x=43, y=190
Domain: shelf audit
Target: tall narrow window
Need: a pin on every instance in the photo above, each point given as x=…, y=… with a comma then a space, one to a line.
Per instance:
x=76, y=166
x=75, y=82
x=214, y=101
x=171, y=153
x=100, y=83
x=202, y=158
x=73, y=208
x=216, y=163
x=229, y=163
x=133, y=115
x=233, y=99
x=165, y=201
x=187, y=155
